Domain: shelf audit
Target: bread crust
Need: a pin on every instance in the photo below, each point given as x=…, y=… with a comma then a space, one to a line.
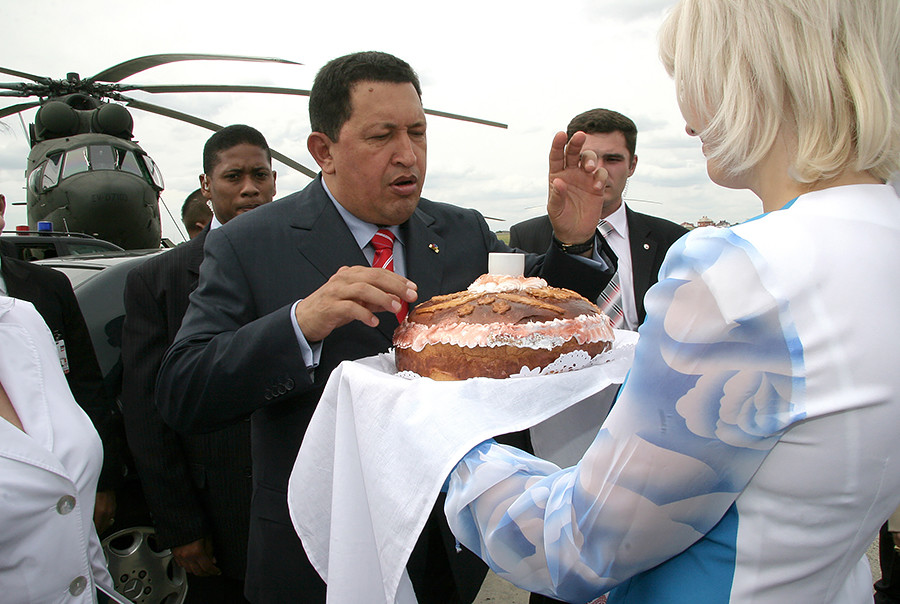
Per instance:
x=478, y=333
x=446, y=362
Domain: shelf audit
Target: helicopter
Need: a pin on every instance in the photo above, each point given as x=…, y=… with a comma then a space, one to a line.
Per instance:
x=86, y=174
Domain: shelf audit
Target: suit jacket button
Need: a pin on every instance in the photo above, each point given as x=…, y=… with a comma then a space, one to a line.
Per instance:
x=268, y=395
x=289, y=384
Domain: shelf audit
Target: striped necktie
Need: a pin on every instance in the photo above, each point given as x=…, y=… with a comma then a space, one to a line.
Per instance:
x=610, y=300
x=383, y=242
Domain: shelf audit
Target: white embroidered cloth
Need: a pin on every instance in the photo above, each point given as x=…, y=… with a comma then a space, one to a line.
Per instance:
x=380, y=446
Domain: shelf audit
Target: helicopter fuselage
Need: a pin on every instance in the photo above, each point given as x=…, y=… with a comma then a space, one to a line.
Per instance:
x=97, y=184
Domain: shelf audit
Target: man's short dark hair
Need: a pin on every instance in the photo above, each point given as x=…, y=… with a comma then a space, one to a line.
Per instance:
x=194, y=210
x=329, y=99
x=602, y=121
x=228, y=137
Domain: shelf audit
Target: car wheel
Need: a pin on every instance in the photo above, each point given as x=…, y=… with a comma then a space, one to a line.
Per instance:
x=141, y=570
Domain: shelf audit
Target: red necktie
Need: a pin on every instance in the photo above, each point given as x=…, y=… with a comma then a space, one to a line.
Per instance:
x=383, y=242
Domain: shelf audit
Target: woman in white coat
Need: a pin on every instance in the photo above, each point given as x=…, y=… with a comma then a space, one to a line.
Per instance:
x=50, y=457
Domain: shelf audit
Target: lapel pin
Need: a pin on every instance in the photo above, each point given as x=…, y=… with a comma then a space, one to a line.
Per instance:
x=434, y=248
x=646, y=246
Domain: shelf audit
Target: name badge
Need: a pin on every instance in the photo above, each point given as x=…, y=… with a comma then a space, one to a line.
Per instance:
x=63, y=358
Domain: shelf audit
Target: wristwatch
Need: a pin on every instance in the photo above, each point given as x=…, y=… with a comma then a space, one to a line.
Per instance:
x=574, y=248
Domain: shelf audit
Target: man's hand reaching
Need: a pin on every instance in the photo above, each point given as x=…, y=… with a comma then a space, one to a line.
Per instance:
x=575, y=201
x=354, y=293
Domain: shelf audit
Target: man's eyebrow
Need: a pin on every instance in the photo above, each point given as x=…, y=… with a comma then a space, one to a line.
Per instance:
x=395, y=126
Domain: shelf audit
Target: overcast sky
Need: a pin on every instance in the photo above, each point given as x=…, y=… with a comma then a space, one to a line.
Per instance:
x=532, y=64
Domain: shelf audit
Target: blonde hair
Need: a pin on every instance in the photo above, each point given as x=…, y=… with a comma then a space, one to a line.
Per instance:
x=824, y=72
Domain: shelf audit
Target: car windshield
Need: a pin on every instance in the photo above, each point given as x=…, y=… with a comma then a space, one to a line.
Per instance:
x=87, y=247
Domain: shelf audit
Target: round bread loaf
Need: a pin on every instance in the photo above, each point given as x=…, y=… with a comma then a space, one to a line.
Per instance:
x=498, y=326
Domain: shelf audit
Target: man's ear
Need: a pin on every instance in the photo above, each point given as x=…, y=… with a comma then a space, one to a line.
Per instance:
x=633, y=165
x=204, y=187
x=319, y=146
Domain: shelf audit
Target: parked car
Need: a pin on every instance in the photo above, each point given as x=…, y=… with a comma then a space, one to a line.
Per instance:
x=99, y=283
x=38, y=245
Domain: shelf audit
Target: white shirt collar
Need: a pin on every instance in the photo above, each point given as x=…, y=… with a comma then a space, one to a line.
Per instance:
x=361, y=230
x=619, y=221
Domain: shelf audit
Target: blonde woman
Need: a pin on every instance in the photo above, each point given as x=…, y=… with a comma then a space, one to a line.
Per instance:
x=750, y=456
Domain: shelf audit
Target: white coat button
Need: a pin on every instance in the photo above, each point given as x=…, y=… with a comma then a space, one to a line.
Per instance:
x=65, y=504
x=76, y=587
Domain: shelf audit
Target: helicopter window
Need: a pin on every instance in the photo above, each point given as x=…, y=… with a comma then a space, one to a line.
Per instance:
x=155, y=174
x=102, y=157
x=34, y=179
x=76, y=162
x=127, y=162
x=50, y=172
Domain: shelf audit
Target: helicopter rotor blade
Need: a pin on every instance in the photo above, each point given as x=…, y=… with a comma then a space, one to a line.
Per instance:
x=164, y=111
x=24, y=128
x=184, y=117
x=291, y=163
x=126, y=69
x=27, y=76
x=464, y=118
x=659, y=203
x=156, y=89
x=17, y=108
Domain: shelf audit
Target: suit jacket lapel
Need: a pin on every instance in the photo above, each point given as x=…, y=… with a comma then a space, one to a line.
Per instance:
x=326, y=242
x=424, y=264
x=322, y=236
x=643, y=251
x=16, y=277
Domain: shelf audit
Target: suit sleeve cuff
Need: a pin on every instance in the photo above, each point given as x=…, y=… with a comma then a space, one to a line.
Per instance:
x=311, y=353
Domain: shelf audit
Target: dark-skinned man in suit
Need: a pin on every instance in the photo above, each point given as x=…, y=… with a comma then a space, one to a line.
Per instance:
x=197, y=486
x=289, y=292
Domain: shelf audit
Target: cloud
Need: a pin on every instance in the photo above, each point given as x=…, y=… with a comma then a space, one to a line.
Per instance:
x=531, y=64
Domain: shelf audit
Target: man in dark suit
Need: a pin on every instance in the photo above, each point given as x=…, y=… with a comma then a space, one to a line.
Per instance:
x=639, y=241
x=198, y=486
x=289, y=291
x=51, y=294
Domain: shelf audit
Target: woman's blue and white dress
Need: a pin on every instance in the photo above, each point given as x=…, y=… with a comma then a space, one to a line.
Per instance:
x=752, y=453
